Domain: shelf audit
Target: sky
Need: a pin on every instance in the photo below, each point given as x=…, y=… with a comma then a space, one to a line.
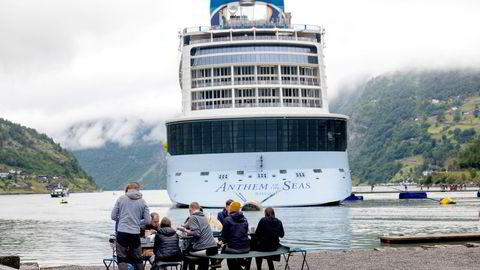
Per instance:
x=109, y=67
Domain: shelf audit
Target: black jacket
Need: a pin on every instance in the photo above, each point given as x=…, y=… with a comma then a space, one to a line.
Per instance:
x=222, y=215
x=267, y=234
x=166, y=246
x=235, y=232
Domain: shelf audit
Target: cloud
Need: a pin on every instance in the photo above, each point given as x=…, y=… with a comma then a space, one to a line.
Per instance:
x=124, y=132
x=68, y=62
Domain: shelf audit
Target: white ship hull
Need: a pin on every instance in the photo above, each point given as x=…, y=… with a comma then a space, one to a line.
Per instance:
x=262, y=180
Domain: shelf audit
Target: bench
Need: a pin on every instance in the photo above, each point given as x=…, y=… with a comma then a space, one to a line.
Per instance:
x=282, y=250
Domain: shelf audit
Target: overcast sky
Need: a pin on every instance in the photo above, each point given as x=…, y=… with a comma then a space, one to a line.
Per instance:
x=63, y=61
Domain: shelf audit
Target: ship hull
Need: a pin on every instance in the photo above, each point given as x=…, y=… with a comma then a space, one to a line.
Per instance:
x=276, y=179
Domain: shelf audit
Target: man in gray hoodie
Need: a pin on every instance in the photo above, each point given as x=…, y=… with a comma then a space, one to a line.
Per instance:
x=129, y=212
x=203, y=242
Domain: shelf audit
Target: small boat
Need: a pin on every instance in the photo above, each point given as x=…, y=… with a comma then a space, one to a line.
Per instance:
x=412, y=195
x=447, y=200
x=354, y=197
x=59, y=191
x=63, y=201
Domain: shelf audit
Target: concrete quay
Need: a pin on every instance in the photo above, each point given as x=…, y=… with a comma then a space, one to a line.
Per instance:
x=438, y=257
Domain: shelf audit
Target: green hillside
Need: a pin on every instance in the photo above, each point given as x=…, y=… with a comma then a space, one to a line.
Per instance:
x=113, y=166
x=409, y=124
x=33, y=162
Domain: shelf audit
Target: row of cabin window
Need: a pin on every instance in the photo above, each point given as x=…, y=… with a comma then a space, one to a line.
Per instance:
x=262, y=92
x=253, y=48
x=262, y=135
x=250, y=70
x=254, y=58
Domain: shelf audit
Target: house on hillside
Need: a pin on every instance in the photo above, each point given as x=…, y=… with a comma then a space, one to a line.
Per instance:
x=476, y=113
x=43, y=178
x=4, y=175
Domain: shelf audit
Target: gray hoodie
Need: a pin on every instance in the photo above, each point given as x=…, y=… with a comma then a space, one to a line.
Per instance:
x=202, y=234
x=129, y=211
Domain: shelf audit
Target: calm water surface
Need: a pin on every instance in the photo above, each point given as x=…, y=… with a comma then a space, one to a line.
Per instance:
x=39, y=228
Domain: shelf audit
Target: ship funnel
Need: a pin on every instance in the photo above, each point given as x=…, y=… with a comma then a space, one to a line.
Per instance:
x=246, y=3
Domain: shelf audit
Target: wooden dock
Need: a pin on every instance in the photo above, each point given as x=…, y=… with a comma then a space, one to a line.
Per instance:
x=429, y=238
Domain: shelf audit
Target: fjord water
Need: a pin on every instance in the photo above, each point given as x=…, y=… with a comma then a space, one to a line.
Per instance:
x=39, y=228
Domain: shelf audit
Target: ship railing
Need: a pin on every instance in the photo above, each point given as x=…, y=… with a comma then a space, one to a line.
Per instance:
x=254, y=82
x=258, y=37
x=295, y=27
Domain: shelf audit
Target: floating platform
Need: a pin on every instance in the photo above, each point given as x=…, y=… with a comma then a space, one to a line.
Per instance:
x=429, y=238
x=354, y=197
x=412, y=195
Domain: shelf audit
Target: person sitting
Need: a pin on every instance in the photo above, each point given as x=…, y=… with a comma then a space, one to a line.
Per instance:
x=235, y=236
x=153, y=226
x=166, y=247
x=267, y=235
x=203, y=243
x=224, y=213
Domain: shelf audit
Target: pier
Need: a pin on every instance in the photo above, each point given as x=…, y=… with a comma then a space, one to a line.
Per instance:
x=431, y=238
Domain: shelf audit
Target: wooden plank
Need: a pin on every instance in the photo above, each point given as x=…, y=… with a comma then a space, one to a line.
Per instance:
x=412, y=239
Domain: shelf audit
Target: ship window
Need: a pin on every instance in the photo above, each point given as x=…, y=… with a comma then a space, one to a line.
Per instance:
x=204, y=173
x=283, y=171
x=317, y=170
x=256, y=135
x=178, y=174
x=341, y=170
x=240, y=172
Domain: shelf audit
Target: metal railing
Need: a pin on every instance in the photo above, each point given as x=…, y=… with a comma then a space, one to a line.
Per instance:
x=258, y=37
x=254, y=24
x=254, y=82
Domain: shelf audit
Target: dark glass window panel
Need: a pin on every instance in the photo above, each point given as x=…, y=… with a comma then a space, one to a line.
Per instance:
x=330, y=135
x=260, y=135
x=303, y=135
x=197, y=138
x=227, y=137
x=322, y=135
x=293, y=135
x=179, y=140
x=187, y=138
x=238, y=136
x=313, y=135
x=282, y=142
x=217, y=137
x=257, y=135
x=206, y=137
x=249, y=134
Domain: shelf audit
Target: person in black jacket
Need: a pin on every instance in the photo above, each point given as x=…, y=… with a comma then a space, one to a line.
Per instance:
x=166, y=247
x=267, y=235
x=224, y=213
x=235, y=236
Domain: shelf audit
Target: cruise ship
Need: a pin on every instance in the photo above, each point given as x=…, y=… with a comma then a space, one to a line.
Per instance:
x=255, y=124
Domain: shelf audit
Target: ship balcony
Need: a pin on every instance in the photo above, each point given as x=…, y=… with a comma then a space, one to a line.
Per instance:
x=213, y=34
x=196, y=85
x=198, y=106
x=241, y=38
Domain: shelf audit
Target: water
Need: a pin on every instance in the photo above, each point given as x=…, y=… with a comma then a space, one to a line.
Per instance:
x=39, y=228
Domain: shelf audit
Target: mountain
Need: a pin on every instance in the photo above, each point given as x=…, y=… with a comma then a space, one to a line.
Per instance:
x=124, y=156
x=33, y=162
x=405, y=125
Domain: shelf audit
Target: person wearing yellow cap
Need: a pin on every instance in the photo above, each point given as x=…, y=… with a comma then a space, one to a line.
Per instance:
x=235, y=236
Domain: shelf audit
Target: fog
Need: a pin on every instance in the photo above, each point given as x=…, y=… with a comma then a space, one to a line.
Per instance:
x=65, y=63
